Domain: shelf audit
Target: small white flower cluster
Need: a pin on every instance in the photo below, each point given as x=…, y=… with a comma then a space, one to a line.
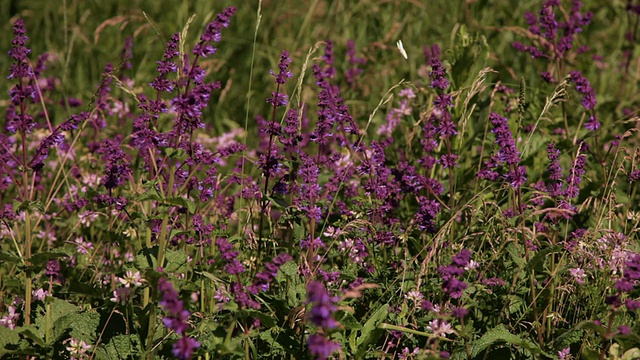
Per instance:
x=78, y=349
x=130, y=281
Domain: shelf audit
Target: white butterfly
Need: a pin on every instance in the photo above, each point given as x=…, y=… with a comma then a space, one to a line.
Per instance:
x=403, y=52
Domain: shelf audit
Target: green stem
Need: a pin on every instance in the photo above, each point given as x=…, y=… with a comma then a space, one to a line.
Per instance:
x=532, y=280
x=162, y=244
x=403, y=329
x=607, y=335
x=28, y=280
x=151, y=329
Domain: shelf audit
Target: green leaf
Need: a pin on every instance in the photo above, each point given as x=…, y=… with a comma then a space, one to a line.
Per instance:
x=216, y=280
x=266, y=321
x=150, y=194
x=270, y=337
x=571, y=336
x=470, y=55
x=123, y=347
x=516, y=304
x=147, y=258
x=176, y=261
x=295, y=292
x=589, y=325
x=288, y=339
x=39, y=260
x=32, y=333
x=86, y=288
x=9, y=258
x=185, y=203
x=174, y=153
x=279, y=201
x=8, y=337
x=289, y=270
x=347, y=320
x=370, y=331
x=84, y=326
x=537, y=262
x=515, y=256
x=501, y=334
x=298, y=231
x=28, y=206
x=57, y=309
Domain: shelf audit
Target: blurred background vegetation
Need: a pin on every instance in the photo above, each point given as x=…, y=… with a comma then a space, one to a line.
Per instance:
x=83, y=35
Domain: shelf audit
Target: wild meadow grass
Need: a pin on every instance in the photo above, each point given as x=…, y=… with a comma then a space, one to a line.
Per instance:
x=287, y=180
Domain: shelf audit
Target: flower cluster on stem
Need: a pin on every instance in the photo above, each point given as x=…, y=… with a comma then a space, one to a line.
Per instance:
x=508, y=155
x=322, y=308
x=176, y=319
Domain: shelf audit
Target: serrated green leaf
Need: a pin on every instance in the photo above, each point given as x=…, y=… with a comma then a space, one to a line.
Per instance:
x=123, y=347
x=84, y=326
x=176, y=261
x=516, y=304
x=269, y=337
x=7, y=337
x=7, y=257
x=501, y=334
x=295, y=292
x=147, y=258
x=289, y=269
x=32, y=333
x=515, y=256
x=58, y=309
x=572, y=336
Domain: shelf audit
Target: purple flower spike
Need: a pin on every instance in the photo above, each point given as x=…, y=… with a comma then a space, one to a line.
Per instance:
x=352, y=73
x=212, y=33
x=437, y=74
x=320, y=347
x=322, y=306
x=583, y=86
x=559, y=35
x=451, y=285
x=20, y=68
x=283, y=66
x=184, y=347
x=19, y=121
x=554, y=186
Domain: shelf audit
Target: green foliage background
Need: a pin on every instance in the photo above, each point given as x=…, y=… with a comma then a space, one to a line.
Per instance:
x=85, y=35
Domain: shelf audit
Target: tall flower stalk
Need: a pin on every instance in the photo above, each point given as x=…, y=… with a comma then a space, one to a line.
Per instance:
x=270, y=161
x=193, y=96
x=20, y=121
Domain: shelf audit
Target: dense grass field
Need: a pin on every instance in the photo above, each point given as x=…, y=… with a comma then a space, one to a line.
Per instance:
x=320, y=180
